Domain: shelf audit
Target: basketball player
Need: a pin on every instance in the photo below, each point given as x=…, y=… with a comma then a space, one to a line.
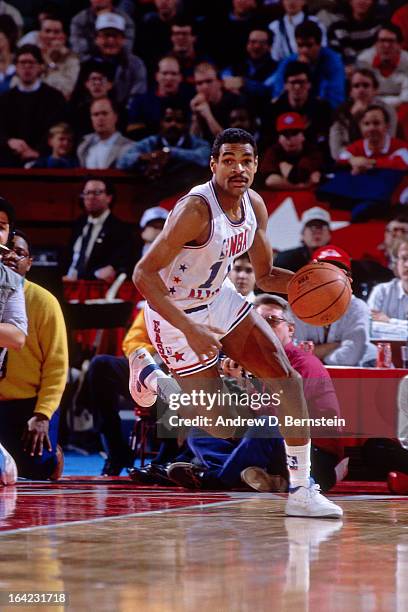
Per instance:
x=191, y=314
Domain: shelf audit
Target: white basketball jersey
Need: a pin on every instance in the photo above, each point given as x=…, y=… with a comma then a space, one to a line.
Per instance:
x=198, y=272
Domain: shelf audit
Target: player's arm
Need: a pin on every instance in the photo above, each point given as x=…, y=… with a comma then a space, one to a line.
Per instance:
x=188, y=222
x=267, y=277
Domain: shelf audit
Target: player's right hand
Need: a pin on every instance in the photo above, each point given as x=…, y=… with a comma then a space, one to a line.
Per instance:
x=203, y=339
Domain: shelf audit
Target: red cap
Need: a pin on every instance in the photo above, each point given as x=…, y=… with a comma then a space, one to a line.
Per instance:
x=331, y=253
x=290, y=121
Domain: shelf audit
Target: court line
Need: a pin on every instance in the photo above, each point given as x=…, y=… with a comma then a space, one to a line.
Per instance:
x=121, y=516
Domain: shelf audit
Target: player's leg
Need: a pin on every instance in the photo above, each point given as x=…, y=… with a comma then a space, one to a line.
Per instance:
x=254, y=345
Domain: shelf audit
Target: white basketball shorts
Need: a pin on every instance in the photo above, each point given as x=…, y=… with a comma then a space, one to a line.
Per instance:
x=225, y=312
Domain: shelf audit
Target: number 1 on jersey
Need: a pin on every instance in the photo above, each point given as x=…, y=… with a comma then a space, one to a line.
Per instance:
x=214, y=271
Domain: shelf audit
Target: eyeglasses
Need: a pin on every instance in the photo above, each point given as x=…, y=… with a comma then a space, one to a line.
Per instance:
x=396, y=230
x=391, y=41
x=19, y=253
x=205, y=82
x=97, y=79
x=274, y=320
x=27, y=62
x=92, y=192
x=298, y=82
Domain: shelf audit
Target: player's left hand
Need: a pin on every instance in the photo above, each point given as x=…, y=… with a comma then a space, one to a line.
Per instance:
x=36, y=435
x=203, y=339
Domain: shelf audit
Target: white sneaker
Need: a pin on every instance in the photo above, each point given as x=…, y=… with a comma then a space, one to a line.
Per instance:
x=8, y=468
x=260, y=480
x=141, y=382
x=308, y=501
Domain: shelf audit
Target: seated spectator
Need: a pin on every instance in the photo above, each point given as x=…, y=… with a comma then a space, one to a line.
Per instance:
x=395, y=229
x=388, y=302
x=326, y=66
x=363, y=93
x=283, y=29
x=47, y=9
x=151, y=224
x=32, y=389
x=242, y=276
x=101, y=245
x=170, y=90
x=400, y=19
x=211, y=105
x=83, y=27
x=171, y=152
x=95, y=81
x=240, y=117
x=292, y=163
x=390, y=64
x=377, y=163
x=28, y=110
x=298, y=98
x=346, y=341
x=130, y=77
x=8, y=9
x=233, y=24
x=61, y=143
x=355, y=29
x=184, y=47
x=8, y=40
x=154, y=32
x=105, y=145
x=251, y=76
x=315, y=233
x=61, y=64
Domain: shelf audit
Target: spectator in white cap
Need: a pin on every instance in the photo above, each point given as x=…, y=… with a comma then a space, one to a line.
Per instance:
x=151, y=224
x=315, y=233
x=130, y=75
x=83, y=27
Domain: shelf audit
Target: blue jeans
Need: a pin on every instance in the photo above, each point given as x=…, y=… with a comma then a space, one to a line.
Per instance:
x=225, y=459
x=14, y=415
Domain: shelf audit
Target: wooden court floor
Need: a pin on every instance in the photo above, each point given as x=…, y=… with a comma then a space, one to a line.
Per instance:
x=118, y=547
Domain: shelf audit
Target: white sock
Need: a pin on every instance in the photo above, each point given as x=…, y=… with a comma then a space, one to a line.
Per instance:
x=151, y=380
x=298, y=461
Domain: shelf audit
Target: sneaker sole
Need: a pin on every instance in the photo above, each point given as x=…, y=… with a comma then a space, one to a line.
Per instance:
x=330, y=515
x=264, y=483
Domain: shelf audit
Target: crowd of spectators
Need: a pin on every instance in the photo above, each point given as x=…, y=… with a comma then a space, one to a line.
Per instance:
x=112, y=73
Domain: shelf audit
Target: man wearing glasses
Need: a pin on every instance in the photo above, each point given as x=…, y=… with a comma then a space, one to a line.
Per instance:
x=32, y=387
x=102, y=243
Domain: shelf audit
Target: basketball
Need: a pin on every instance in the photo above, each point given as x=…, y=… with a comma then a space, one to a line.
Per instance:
x=319, y=293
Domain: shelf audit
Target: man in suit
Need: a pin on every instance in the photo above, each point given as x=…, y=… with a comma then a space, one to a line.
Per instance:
x=102, y=148
x=102, y=244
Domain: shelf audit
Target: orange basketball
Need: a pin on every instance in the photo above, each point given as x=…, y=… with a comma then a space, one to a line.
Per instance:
x=319, y=293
